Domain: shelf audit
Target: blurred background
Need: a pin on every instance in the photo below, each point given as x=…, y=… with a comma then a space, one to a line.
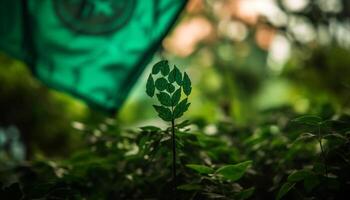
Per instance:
x=244, y=57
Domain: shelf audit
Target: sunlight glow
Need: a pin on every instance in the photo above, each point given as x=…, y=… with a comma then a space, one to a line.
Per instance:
x=279, y=53
x=333, y=6
x=295, y=5
x=251, y=9
x=302, y=29
x=234, y=30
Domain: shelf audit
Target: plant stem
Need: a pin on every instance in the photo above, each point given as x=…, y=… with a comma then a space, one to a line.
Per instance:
x=174, y=157
x=322, y=150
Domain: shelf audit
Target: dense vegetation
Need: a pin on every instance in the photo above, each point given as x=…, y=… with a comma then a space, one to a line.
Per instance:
x=281, y=157
x=307, y=157
x=258, y=127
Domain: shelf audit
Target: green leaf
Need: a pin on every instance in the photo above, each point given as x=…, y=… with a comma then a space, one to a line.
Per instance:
x=170, y=88
x=306, y=136
x=164, y=99
x=150, y=86
x=211, y=195
x=335, y=135
x=189, y=187
x=171, y=76
x=245, y=194
x=299, y=175
x=165, y=69
x=181, y=108
x=183, y=124
x=176, y=97
x=163, y=112
x=202, y=169
x=308, y=120
x=234, y=172
x=159, y=66
x=311, y=182
x=186, y=83
x=150, y=128
x=161, y=84
x=286, y=187
x=178, y=77
x=175, y=75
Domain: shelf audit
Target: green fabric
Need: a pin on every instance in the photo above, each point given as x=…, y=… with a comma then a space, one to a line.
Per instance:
x=94, y=49
x=11, y=25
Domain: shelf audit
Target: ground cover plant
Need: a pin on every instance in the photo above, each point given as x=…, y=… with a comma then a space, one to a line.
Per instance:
x=283, y=156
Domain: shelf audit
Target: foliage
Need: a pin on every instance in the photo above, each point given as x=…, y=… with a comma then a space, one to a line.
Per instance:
x=169, y=88
x=263, y=162
x=258, y=130
x=326, y=178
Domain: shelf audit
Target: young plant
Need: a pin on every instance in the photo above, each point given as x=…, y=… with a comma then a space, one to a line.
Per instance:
x=323, y=179
x=168, y=86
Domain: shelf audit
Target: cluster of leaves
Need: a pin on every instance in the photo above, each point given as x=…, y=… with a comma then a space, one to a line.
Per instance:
x=211, y=181
x=168, y=88
x=327, y=177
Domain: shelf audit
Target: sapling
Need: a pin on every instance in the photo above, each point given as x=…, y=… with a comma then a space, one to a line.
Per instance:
x=168, y=85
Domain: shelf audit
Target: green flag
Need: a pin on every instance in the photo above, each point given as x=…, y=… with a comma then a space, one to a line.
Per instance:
x=93, y=49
